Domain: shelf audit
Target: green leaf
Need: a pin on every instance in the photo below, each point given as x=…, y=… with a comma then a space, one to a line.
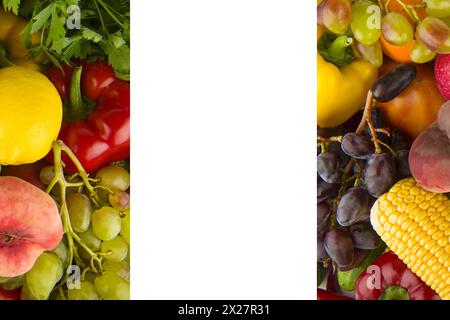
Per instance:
x=26, y=34
x=41, y=19
x=90, y=35
x=119, y=59
x=116, y=39
x=11, y=5
x=56, y=32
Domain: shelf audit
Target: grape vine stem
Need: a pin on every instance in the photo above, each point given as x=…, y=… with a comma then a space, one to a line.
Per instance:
x=60, y=179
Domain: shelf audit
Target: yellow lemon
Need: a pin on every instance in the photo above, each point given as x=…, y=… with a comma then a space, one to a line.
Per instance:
x=30, y=115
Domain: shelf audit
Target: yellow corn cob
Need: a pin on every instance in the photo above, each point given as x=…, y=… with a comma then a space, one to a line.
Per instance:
x=415, y=224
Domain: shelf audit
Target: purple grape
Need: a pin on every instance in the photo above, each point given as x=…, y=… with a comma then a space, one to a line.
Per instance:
x=379, y=174
x=354, y=204
x=329, y=167
x=357, y=146
x=399, y=140
x=321, y=252
x=359, y=257
x=402, y=163
x=339, y=246
x=323, y=215
x=326, y=190
x=364, y=237
x=335, y=147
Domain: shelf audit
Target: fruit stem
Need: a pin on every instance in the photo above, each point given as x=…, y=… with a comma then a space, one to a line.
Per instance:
x=338, y=47
x=82, y=173
x=366, y=119
x=381, y=5
x=329, y=139
x=59, y=178
x=389, y=148
x=395, y=293
x=410, y=11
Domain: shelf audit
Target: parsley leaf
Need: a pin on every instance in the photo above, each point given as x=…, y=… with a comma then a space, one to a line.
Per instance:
x=11, y=5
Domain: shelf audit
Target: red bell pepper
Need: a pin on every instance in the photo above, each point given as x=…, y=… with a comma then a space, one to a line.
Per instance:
x=326, y=295
x=388, y=278
x=99, y=136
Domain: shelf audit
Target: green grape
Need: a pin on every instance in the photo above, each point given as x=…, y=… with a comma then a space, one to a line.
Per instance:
x=12, y=283
x=434, y=33
x=446, y=20
x=62, y=252
x=85, y=292
x=90, y=239
x=438, y=8
x=127, y=259
x=80, y=210
x=122, y=268
x=25, y=293
x=125, y=228
x=366, y=22
x=420, y=53
x=106, y=223
x=396, y=29
x=116, y=248
x=47, y=174
x=335, y=15
x=119, y=200
x=110, y=286
x=78, y=189
x=45, y=273
x=114, y=178
x=56, y=295
x=90, y=277
x=372, y=53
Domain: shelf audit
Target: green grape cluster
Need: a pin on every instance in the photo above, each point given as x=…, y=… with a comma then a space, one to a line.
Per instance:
x=423, y=27
x=102, y=226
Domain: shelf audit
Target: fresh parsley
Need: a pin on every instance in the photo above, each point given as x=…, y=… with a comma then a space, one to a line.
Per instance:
x=103, y=33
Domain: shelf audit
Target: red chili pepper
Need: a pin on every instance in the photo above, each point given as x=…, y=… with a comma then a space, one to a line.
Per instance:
x=102, y=136
x=10, y=294
x=326, y=295
x=388, y=278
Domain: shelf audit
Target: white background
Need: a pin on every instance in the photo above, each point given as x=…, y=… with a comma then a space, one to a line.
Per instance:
x=223, y=149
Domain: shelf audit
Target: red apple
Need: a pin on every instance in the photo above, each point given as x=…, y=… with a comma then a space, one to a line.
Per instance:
x=442, y=74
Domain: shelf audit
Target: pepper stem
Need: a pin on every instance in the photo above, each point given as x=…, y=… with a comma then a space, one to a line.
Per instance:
x=76, y=98
x=4, y=60
x=339, y=46
x=395, y=293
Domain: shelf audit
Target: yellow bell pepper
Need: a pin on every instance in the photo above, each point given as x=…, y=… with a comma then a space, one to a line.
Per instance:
x=30, y=115
x=11, y=27
x=341, y=92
